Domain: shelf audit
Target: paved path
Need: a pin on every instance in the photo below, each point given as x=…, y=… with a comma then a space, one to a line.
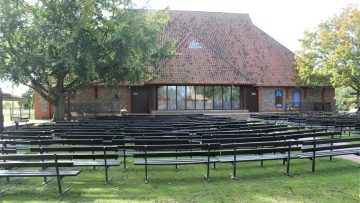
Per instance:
x=31, y=121
x=351, y=157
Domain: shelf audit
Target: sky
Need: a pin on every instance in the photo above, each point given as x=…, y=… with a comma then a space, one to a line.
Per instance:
x=284, y=20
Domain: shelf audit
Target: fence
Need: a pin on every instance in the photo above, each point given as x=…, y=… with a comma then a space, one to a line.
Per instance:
x=17, y=112
x=308, y=106
x=94, y=107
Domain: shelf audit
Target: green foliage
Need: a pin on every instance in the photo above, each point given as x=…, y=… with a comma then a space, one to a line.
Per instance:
x=330, y=55
x=29, y=98
x=344, y=100
x=58, y=46
x=6, y=104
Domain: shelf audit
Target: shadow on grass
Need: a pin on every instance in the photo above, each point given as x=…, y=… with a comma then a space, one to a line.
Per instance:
x=256, y=184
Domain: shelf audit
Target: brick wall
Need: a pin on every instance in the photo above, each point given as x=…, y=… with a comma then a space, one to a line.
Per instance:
x=101, y=99
x=41, y=107
x=110, y=99
x=91, y=99
x=318, y=94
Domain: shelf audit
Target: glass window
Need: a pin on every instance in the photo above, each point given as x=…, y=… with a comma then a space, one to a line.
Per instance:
x=161, y=97
x=209, y=97
x=171, y=97
x=190, y=97
x=235, y=97
x=199, y=97
x=194, y=45
x=227, y=97
x=296, y=98
x=218, y=97
x=279, y=94
x=180, y=98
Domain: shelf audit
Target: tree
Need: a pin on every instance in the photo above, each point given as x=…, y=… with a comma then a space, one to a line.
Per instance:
x=29, y=98
x=330, y=55
x=59, y=46
x=344, y=99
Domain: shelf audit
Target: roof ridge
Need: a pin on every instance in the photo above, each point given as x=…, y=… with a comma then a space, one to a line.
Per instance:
x=214, y=12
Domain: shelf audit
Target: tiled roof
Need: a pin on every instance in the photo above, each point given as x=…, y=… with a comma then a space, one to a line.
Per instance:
x=233, y=51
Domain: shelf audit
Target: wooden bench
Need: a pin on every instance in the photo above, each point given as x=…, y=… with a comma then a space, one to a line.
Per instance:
x=258, y=151
x=124, y=145
x=23, y=132
x=264, y=137
x=18, y=120
x=325, y=148
x=202, y=152
x=22, y=161
x=91, y=158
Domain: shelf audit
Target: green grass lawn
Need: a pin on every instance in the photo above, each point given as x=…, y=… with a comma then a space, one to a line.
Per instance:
x=336, y=181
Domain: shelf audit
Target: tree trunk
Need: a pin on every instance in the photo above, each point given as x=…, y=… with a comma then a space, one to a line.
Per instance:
x=60, y=109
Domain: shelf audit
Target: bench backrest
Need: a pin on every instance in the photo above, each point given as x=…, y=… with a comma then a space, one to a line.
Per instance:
x=36, y=164
x=173, y=147
x=59, y=156
x=328, y=144
x=73, y=148
x=68, y=141
x=28, y=133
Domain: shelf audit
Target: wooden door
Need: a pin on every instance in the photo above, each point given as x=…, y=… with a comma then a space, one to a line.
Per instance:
x=251, y=95
x=139, y=99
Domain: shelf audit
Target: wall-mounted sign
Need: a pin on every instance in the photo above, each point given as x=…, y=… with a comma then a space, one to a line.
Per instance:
x=253, y=93
x=135, y=93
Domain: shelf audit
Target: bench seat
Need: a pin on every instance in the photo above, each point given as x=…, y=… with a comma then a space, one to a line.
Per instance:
x=330, y=153
x=120, y=153
x=37, y=173
x=181, y=161
x=266, y=157
x=97, y=163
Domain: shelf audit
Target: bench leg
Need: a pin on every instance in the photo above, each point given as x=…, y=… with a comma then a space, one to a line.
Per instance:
x=312, y=167
x=146, y=180
x=61, y=192
x=59, y=185
x=287, y=172
x=125, y=166
x=46, y=181
x=233, y=175
x=207, y=175
x=214, y=167
x=107, y=179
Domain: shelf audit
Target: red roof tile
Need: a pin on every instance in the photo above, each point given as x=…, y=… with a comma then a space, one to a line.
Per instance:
x=233, y=51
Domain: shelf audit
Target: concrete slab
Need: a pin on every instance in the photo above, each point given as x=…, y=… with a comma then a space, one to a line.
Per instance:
x=31, y=121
